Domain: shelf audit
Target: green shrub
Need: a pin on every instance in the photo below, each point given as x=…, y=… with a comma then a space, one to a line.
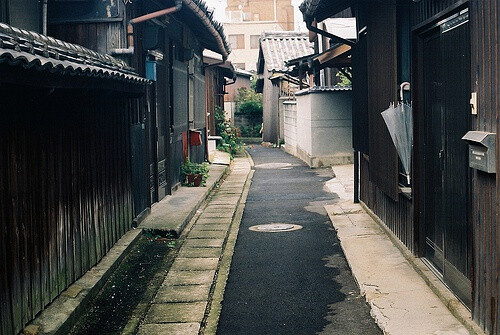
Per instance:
x=251, y=131
x=231, y=136
x=249, y=102
x=190, y=168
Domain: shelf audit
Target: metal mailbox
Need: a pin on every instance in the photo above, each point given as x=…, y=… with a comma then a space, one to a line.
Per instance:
x=482, y=153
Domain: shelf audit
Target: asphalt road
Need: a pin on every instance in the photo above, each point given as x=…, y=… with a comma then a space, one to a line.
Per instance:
x=290, y=282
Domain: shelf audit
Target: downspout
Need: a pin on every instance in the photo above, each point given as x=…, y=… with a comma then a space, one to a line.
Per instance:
x=140, y=19
x=322, y=79
x=231, y=82
x=44, y=17
x=327, y=34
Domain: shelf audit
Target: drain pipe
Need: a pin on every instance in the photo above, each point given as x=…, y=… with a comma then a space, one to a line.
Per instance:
x=231, y=82
x=140, y=19
x=44, y=17
x=327, y=34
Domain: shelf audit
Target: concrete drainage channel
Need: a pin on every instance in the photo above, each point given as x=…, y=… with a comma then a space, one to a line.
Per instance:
x=275, y=227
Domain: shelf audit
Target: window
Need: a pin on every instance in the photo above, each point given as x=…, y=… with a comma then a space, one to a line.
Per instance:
x=254, y=41
x=237, y=41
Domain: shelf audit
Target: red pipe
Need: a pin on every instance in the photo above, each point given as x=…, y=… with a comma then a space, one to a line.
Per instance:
x=154, y=15
x=147, y=17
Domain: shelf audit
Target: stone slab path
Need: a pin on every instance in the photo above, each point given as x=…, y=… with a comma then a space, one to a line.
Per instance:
x=182, y=303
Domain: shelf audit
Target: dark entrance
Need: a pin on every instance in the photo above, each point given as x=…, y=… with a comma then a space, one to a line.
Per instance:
x=446, y=91
x=179, y=112
x=158, y=130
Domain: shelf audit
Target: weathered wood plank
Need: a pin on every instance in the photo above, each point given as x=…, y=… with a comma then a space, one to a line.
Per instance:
x=65, y=194
x=6, y=326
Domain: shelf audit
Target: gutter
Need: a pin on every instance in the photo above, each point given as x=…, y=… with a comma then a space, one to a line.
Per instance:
x=327, y=34
x=197, y=11
x=140, y=19
x=231, y=82
x=216, y=64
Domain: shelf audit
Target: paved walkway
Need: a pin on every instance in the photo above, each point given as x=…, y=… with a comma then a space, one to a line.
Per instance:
x=183, y=302
x=285, y=280
x=174, y=212
x=401, y=302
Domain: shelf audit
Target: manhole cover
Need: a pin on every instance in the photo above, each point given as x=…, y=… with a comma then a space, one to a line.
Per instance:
x=275, y=227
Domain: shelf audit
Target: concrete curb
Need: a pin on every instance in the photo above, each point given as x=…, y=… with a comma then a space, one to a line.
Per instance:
x=168, y=216
x=61, y=314
x=212, y=184
x=457, y=309
x=250, y=159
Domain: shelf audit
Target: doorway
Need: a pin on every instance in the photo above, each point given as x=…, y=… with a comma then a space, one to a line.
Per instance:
x=446, y=91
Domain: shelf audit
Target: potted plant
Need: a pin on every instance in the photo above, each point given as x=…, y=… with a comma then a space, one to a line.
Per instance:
x=194, y=174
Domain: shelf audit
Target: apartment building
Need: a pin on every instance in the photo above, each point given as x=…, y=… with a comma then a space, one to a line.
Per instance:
x=246, y=20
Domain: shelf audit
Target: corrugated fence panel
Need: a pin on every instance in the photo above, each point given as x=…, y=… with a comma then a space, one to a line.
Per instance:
x=486, y=187
x=65, y=193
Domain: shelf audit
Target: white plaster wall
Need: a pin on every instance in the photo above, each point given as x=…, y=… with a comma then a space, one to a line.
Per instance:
x=304, y=131
x=290, y=126
x=324, y=127
x=331, y=122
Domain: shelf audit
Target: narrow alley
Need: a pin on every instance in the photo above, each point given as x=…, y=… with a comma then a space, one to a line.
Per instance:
x=293, y=279
x=249, y=167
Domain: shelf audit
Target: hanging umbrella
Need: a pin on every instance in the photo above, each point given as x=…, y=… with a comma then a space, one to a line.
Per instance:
x=399, y=121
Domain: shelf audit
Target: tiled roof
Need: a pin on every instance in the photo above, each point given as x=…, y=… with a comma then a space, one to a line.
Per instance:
x=322, y=9
x=317, y=89
x=281, y=46
x=243, y=73
x=211, y=32
x=33, y=50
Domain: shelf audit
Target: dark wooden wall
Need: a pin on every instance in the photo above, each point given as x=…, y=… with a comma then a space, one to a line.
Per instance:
x=382, y=91
x=97, y=36
x=65, y=192
x=24, y=14
x=426, y=9
x=485, y=80
x=376, y=85
x=396, y=215
x=485, y=34
x=198, y=152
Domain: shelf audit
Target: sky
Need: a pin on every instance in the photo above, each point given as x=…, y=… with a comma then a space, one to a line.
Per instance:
x=220, y=6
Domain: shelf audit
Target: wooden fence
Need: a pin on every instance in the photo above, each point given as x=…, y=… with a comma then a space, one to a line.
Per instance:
x=65, y=192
